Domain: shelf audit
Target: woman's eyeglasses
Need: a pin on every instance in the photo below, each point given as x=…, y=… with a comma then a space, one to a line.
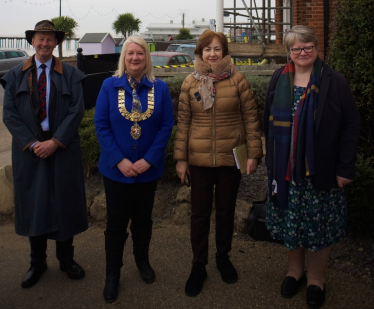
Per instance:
x=297, y=51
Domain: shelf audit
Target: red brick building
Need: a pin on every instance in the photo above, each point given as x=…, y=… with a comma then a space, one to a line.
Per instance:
x=316, y=14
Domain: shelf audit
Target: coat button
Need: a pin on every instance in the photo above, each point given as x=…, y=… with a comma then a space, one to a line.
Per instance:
x=134, y=146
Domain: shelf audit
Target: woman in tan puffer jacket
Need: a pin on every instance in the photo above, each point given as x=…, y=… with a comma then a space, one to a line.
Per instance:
x=216, y=113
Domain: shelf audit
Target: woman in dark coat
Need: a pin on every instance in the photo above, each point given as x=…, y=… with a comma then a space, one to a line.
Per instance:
x=312, y=131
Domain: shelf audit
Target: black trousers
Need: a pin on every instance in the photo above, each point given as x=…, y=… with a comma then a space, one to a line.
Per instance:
x=226, y=180
x=130, y=201
x=38, y=244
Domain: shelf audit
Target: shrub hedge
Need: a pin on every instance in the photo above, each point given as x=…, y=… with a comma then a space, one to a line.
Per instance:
x=351, y=52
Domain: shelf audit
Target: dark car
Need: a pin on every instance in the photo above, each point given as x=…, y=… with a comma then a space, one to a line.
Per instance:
x=10, y=58
x=170, y=58
x=188, y=49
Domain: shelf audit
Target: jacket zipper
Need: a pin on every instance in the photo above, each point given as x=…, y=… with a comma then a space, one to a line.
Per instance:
x=214, y=135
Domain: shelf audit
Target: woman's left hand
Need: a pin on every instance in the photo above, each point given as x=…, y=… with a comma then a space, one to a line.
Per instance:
x=251, y=166
x=342, y=181
x=140, y=166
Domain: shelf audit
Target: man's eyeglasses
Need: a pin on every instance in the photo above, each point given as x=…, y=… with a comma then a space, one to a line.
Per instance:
x=297, y=51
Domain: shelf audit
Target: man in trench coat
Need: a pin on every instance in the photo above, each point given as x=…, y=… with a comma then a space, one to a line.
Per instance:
x=43, y=107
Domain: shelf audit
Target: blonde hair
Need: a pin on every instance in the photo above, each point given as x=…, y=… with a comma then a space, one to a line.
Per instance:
x=301, y=33
x=148, y=71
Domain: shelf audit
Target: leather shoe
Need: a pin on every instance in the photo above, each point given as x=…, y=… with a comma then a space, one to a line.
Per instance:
x=195, y=281
x=227, y=270
x=33, y=274
x=315, y=296
x=73, y=269
x=290, y=286
x=146, y=271
x=110, y=292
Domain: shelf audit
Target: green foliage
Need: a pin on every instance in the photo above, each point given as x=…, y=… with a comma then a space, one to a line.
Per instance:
x=175, y=84
x=360, y=197
x=170, y=174
x=259, y=85
x=89, y=144
x=351, y=52
x=184, y=34
x=66, y=24
x=126, y=24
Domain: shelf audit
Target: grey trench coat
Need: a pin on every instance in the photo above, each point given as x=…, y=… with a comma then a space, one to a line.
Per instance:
x=49, y=193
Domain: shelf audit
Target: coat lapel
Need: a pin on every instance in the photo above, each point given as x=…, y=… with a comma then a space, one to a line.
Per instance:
x=325, y=83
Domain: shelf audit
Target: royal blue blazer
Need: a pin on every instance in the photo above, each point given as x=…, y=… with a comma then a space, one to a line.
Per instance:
x=113, y=130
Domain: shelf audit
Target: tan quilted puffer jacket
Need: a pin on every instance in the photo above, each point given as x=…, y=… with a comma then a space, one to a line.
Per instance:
x=208, y=138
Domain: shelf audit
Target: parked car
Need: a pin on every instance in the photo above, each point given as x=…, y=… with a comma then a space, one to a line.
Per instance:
x=10, y=58
x=172, y=47
x=188, y=49
x=170, y=58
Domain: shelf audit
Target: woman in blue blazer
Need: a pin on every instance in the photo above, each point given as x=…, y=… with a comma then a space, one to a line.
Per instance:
x=133, y=119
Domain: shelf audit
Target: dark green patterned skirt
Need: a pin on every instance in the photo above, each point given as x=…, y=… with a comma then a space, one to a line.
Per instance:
x=314, y=219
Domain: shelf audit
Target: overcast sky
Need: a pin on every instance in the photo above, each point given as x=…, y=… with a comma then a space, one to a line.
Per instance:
x=16, y=16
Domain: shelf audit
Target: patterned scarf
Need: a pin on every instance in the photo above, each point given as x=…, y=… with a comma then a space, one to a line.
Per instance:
x=292, y=143
x=208, y=74
x=136, y=104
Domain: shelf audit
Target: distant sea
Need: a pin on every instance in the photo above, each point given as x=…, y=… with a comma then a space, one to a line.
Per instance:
x=69, y=47
x=65, y=52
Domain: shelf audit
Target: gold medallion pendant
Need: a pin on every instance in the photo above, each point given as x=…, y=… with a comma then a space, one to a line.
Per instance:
x=136, y=130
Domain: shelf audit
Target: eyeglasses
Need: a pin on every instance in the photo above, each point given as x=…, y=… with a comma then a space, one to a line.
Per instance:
x=297, y=51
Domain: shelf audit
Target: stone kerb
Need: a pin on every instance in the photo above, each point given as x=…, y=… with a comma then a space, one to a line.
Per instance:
x=6, y=190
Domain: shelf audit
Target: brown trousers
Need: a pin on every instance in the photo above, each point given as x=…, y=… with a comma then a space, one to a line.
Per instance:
x=226, y=180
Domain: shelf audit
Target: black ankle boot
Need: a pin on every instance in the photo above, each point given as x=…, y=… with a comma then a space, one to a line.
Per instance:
x=114, y=251
x=146, y=271
x=195, y=282
x=111, y=286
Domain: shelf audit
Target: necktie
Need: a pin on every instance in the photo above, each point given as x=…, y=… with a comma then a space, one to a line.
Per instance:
x=42, y=90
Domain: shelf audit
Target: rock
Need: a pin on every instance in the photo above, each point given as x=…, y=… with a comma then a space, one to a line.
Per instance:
x=6, y=190
x=98, y=208
x=241, y=217
x=184, y=194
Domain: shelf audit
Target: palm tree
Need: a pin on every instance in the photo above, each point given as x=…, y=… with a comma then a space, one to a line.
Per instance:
x=126, y=24
x=66, y=24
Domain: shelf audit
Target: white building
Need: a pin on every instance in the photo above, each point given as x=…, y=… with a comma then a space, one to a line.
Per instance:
x=163, y=31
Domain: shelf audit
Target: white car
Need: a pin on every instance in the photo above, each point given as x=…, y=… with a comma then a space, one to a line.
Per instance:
x=9, y=58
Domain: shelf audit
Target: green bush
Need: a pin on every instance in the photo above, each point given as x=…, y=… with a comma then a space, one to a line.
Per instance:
x=89, y=144
x=170, y=174
x=360, y=197
x=351, y=52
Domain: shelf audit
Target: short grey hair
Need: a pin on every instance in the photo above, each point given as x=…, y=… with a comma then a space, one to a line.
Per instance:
x=301, y=33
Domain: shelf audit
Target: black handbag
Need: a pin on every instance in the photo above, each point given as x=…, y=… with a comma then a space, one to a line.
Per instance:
x=256, y=223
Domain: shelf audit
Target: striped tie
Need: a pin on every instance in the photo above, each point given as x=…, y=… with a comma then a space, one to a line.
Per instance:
x=42, y=90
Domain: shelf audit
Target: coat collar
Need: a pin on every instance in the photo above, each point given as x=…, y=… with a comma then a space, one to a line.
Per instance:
x=122, y=82
x=57, y=64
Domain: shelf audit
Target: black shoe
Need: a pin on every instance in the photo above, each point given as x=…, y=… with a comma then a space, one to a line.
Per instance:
x=315, y=296
x=228, y=272
x=110, y=292
x=196, y=280
x=73, y=269
x=33, y=274
x=290, y=286
x=146, y=271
